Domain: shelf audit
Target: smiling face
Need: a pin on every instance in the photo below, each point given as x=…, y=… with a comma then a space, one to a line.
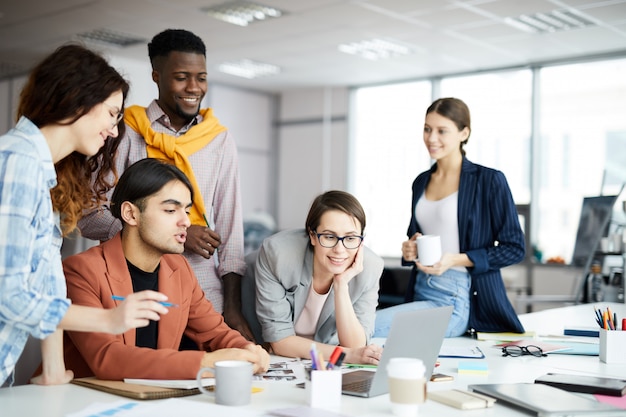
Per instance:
x=333, y=261
x=95, y=127
x=182, y=81
x=442, y=137
x=163, y=222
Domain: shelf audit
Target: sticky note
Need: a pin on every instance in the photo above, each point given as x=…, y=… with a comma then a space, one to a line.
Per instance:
x=473, y=367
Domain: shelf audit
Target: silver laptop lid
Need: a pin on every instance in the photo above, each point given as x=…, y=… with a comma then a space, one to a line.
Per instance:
x=414, y=334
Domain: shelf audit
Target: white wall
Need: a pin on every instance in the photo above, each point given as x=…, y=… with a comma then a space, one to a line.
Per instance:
x=312, y=149
x=139, y=74
x=249, y=116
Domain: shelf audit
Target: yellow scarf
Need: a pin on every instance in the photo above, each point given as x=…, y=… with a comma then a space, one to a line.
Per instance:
x=177, y=149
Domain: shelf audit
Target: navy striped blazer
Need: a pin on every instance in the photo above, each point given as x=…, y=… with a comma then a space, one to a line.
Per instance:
x=490, y=235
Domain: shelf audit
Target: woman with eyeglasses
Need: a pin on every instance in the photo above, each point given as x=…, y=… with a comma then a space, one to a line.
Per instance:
x=471, y=208
x=320, y=284
x=67, y=132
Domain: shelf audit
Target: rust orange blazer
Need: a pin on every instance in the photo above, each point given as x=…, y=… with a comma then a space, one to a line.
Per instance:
x=100, y=272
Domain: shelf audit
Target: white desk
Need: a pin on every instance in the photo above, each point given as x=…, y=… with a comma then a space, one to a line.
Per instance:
x=32, y=400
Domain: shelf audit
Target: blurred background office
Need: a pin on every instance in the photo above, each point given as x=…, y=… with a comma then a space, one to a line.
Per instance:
x=323, y=94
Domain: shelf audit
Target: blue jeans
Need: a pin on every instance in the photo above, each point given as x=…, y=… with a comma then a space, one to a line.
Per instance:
x=449, y=289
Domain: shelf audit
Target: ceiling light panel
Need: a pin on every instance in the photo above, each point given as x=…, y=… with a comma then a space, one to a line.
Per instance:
x=375, y=49
x=247, y=68
x=556, y=20
x=242, y=13
x=110, y=38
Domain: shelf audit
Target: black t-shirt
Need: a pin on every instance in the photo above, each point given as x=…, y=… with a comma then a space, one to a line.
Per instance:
x=142, y=280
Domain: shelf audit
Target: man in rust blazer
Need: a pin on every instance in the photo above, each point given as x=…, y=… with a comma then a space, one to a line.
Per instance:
x=152, y=199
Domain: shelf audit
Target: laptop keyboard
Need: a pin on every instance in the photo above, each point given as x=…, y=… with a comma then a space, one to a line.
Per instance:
x=358, y=381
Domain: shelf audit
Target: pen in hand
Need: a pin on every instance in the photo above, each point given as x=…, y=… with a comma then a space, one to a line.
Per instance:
x=163, y=303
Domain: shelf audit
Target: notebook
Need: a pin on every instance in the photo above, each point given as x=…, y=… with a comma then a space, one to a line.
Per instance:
x=414, y=334
x=585, y=383
x=545, y=401
x=136, y=391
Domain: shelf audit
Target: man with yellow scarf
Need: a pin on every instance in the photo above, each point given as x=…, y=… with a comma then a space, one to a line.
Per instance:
x=175, y=128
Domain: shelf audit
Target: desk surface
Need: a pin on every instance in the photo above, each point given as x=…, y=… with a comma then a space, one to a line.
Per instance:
x=32, y=400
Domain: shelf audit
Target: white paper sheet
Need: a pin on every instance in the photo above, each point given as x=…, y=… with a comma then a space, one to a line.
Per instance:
x=171, y=383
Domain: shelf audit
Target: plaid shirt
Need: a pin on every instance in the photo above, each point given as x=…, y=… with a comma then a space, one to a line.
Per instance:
x=216, y=168
x=32, y=285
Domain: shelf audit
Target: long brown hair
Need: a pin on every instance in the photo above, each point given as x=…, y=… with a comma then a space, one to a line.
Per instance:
x=60, y=90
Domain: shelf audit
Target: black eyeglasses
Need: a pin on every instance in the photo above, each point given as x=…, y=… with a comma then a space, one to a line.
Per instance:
x=523, y=350
x=330, y=241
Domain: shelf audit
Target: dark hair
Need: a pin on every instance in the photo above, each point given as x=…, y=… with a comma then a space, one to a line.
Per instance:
x=61, y=89
x=455, y=110
x=334, y=200
x=143, y=179
x=175, y=40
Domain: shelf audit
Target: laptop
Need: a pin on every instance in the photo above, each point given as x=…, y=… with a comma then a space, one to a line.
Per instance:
x=414, y=334
x=546, y=401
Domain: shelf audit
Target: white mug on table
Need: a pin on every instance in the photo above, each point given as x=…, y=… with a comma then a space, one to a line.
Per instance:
x=233, y=382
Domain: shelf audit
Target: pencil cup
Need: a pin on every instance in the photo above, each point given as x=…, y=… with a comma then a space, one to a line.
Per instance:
x=612, y=346
x=324, y=389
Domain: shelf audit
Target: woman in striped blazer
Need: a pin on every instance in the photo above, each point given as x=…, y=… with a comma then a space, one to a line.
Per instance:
x=471, y=207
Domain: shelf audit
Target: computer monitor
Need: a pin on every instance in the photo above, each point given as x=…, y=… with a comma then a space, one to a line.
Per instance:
x=595, y=217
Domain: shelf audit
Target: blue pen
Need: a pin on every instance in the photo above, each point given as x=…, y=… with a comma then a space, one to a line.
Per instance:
x=163, y=303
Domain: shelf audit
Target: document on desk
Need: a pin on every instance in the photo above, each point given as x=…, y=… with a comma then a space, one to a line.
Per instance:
x=585, y=349
x=471, y=352
x=165, y=408
x=285, y=371
x=545, y=347
x=504, y=336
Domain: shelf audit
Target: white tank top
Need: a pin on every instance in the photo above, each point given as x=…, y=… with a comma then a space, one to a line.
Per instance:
x=440, y=218
x=307, y=322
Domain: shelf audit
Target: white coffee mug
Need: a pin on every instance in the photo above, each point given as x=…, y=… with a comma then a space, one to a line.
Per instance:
x=407, y=385
x=429, y=249
x=233, y=382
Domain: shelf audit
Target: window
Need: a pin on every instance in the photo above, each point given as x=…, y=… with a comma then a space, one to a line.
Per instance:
x=582, y=146
x=387, y=154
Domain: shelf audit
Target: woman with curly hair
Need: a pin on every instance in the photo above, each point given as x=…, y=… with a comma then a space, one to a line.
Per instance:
x=68, y=128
